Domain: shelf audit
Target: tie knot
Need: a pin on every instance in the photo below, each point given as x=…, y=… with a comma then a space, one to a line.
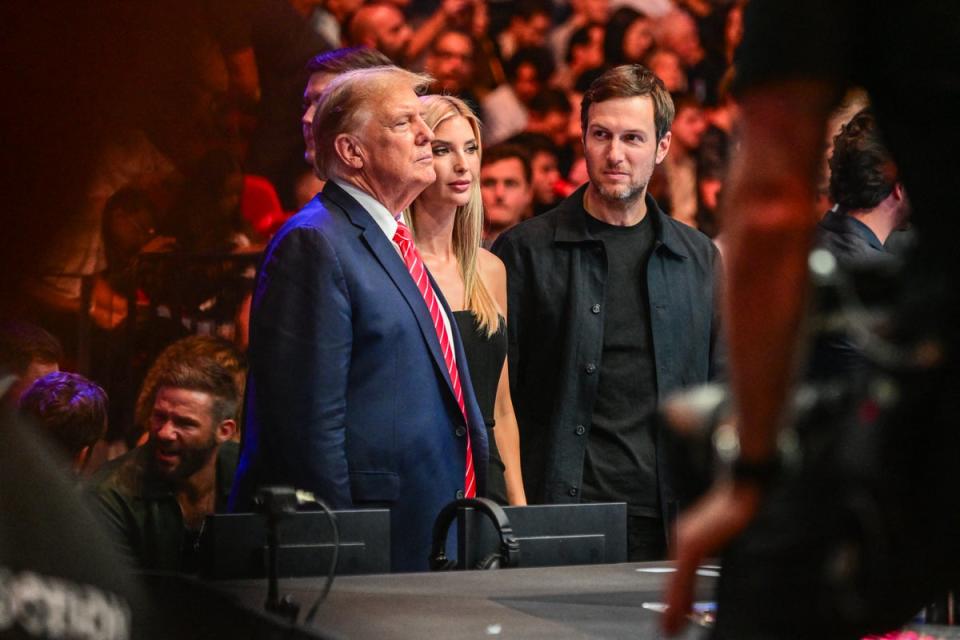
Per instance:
x=403, y=236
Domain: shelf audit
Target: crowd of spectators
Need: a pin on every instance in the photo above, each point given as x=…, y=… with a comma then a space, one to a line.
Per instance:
x=198, y=156
x=199, y=153
x=161, y=159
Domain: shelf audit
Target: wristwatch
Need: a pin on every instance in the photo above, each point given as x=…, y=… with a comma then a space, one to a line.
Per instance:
x=761, y=473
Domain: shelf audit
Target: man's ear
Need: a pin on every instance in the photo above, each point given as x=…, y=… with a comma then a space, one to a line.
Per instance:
x=349, y=150
x=81, y=458
x=899, y=193
x=663, y=146
x=225, y=431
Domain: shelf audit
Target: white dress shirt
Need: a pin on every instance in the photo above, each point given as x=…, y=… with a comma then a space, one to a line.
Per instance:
x=387, y=222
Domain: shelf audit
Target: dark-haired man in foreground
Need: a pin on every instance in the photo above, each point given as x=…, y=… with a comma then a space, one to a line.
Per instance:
x=70, y=410
x=871, y=202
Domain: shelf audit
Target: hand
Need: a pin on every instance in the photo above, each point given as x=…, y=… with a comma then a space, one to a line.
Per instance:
x=701, y=533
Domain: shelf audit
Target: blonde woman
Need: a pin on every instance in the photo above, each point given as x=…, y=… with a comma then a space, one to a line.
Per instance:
x=447, y=223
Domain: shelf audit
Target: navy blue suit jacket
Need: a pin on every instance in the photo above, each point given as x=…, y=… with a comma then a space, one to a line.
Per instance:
x=348, y=395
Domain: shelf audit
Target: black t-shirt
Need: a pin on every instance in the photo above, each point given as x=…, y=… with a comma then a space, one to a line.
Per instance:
x=620, y=462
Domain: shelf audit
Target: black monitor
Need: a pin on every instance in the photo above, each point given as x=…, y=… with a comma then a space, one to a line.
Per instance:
x=234, y=545
x=551, y=534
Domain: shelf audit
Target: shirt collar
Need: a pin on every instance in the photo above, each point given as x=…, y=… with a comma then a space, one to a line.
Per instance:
x=572, y=223
x=386, y=220
x=837, y=220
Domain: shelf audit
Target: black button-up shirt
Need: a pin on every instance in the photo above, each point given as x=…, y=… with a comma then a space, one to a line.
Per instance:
x=556, y=279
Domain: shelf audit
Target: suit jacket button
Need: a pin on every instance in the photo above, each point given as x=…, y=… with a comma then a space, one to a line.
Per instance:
x=460, y=494
x=590, y=368
x=580, y=430
x=460, y=432
x=595, y=308
x=573, y=492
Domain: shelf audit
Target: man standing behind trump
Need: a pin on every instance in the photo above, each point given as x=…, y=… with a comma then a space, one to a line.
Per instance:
x=358, y=389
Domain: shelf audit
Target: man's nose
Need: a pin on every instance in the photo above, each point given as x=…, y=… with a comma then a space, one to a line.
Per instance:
x=614, y=152
x=166, y=431
x=424, y=134
x=307, y=118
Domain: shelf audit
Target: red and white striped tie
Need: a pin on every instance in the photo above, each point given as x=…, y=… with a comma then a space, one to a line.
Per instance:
x=411, y=258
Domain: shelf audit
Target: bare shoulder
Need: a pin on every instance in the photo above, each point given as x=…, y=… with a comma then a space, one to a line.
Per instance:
x=494, y=276
x=490, y=265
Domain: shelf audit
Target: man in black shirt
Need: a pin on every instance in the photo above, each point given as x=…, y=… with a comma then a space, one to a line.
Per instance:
x=870, y=204
x=611, y=307
x=154, y=498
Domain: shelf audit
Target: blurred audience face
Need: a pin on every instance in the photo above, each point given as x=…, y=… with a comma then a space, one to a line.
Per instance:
x=383, y=27
x=590, y=54
x=621, y=148
x=545, y=174
x=553, y=124
x=638, y=39
x=532, y=32
x=315, y=85
x=596, y=11
x=392, y=33
x=526, y=85
x=688, y=127
x=666, y=65
x=456, y=160
x=184, y=435
x=450, y=62
x=678, y=32
x=507, y=197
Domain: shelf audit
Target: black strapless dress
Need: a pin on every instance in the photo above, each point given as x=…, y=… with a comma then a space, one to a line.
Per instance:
x=485, y=358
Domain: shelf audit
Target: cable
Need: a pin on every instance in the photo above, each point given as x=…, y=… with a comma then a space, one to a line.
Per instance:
x=332, y=572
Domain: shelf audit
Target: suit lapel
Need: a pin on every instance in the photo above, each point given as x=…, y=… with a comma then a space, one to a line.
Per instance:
x=386, y=254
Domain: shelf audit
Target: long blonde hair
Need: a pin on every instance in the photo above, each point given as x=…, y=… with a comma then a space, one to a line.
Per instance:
x=468, y=221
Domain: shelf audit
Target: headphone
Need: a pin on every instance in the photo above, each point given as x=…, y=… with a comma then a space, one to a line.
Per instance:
x=507, y=556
